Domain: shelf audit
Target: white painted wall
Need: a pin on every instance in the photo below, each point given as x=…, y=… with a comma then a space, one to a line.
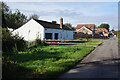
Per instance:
x=105, y=34
x=30, y=31
x=89, y=31
x=62, y=34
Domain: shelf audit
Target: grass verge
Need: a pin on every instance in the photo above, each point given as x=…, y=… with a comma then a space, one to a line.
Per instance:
x=90, y=42
x=119, y=42
x=42, y=62
x=94, y=42
x=91, y=39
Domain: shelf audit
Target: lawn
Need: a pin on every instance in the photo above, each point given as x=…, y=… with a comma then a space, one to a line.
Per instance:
x=96, y=39
x=94, y=42
x=43, y=62
x=89, y=42
x=91, y=39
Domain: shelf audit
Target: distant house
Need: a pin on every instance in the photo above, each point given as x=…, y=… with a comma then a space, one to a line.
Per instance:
x=85, y=28
x=102, y=31
x=44, y=30
x=81, y=29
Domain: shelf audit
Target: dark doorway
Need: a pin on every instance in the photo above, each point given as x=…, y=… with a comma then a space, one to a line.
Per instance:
x=48, y=35
x=56, y=35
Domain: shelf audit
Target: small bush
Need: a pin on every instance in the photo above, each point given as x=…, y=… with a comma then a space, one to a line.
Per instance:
x=15, y=50
x=88, y=37
x=9, y=42
x=39, y=42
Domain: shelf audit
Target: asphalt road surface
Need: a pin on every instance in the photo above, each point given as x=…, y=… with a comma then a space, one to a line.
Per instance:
x=103, y=62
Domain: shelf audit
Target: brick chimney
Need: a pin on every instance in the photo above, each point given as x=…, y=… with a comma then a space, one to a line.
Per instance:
x=61, y=23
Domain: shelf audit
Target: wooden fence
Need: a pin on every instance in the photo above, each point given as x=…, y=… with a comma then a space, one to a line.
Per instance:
x=64, y=42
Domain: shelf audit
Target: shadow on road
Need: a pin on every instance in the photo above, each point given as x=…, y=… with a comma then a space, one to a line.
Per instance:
x=102, y=64
x=107, y=69
x=97, y=62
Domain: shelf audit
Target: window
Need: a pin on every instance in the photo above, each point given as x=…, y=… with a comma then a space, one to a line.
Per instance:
x=48, y=35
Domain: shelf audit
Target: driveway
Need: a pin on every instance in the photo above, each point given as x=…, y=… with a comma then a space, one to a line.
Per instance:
x=101, y=63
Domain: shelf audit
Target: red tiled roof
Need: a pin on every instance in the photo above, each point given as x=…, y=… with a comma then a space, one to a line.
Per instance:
x=90, y=26
x=101, y=29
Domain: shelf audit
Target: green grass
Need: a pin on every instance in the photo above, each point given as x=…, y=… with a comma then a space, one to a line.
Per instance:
x=89, y=42
x=95, y=39
x=94, y=42
x=119, y=42
x=118, y=35
x=43, y=62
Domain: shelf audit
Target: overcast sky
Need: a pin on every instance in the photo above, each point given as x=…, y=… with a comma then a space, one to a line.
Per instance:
x=71, y=12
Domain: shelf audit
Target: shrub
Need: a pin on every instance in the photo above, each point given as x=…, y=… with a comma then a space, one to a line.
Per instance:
x=9, y=42
x=88, y=37
x=38, y=42
x=110, y=34
x=15, y=50
x=117, y=33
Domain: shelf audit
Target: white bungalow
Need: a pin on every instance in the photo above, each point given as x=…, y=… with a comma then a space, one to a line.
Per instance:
x=44, y=30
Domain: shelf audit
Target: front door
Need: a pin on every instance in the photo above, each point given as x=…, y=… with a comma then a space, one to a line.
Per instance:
x=56, y=35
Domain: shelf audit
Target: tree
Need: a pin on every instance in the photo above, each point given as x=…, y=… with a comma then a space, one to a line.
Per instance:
x=112, y=30
x=33, y=16
x=15, y=20
x=10, y=42
x=68, y=25
x=54, y=22
x=95, y=26
x=98, y=26
x=105, y=26
x=12, y=20
x=5, y=11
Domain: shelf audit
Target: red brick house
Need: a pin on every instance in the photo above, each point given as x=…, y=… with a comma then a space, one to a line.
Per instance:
x=81, y=29
x=85, y=28
x=101, y=31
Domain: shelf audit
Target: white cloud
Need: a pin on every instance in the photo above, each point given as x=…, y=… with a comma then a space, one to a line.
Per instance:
x=75, y=14
x=35, y=7
x=112, y=20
